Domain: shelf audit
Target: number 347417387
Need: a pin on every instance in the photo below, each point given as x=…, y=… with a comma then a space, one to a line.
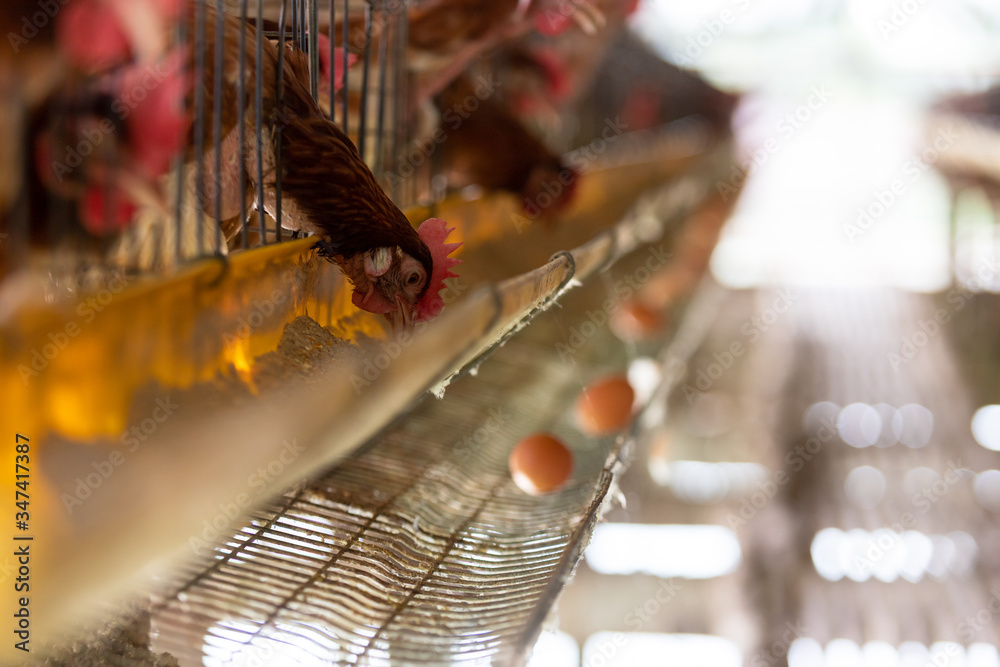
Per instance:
x=21, y=478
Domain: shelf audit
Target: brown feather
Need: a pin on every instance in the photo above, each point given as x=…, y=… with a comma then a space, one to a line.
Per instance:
x=325, y=177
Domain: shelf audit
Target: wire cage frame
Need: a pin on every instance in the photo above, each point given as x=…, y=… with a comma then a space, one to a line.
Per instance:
x=350, y=55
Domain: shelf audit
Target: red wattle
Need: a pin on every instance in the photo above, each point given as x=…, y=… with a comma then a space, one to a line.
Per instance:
x=99, y=216
x=373, y=302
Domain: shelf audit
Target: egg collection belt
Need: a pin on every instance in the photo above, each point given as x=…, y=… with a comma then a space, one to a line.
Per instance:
x=420, y=547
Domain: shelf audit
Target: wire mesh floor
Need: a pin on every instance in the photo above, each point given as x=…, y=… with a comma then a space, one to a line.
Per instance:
x=419, y=549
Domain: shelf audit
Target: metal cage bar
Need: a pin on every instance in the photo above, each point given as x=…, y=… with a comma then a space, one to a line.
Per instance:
x=217, y=125
x=211, y=187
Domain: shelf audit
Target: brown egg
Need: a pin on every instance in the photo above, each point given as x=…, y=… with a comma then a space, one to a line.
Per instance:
x=540, y=463
x=605, y=406
x=635, y=321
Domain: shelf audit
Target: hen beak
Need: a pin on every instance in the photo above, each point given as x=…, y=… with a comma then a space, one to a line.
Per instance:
x=401, y=319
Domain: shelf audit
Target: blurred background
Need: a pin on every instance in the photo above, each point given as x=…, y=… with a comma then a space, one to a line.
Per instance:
x=801, y=197
x=830, y=496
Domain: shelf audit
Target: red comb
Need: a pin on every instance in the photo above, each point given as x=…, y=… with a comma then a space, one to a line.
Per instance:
x=91, y=36
x=434, y=232
x=323, y=44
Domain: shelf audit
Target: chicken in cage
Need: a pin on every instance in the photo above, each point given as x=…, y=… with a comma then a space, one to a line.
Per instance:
x=250, y=136
x=245, y=239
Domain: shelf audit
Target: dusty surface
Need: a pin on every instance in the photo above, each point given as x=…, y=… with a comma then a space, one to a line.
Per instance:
x=124, y=643
x=306, y=350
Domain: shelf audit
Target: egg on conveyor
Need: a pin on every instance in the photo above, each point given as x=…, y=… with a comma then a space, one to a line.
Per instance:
x=540, y=463
x=605, y=406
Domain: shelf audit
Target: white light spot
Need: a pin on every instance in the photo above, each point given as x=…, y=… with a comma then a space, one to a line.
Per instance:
x=704, y=482
x=986, y=427
x=859, y=425
x=691, y=551
x=628, y=649
x=825, y=551
x=982, y=655
x=944, y=552
x=697, y=481
x=555, y=649
x=913, y=425
x=890, y=554
x=865, y=486
x=855, y=561
x=843, y=653
x=879, y=654
x=886, y=437
x=919, y=549
x=947, y=654
x=887, y=555
x=644, y=376
x=987, y=489
x=805, y=652
x=966, y=550
x=913, y=654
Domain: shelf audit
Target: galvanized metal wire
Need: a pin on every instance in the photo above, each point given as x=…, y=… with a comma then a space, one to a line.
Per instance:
x=194, y=227
x=418, y=550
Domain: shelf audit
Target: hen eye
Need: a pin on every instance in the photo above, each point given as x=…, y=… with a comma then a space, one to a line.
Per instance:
x=413, y=279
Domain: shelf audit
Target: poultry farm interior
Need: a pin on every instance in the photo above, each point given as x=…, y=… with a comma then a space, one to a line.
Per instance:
x=560, y=333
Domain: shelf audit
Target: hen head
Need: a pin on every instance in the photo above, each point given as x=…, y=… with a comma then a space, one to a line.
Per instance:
x=405, y=288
